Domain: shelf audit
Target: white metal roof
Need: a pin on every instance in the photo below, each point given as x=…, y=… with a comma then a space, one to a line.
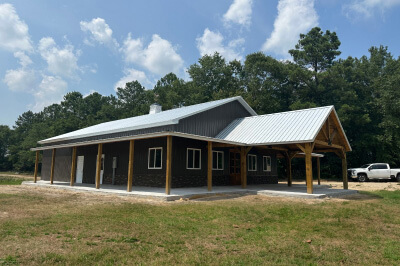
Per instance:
x=298, y=126
x=168, y=117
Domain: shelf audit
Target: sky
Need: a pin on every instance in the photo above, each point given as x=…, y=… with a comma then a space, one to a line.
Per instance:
x=49, y=48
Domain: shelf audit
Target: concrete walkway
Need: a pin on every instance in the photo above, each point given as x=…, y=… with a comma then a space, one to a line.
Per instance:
x=280, y=190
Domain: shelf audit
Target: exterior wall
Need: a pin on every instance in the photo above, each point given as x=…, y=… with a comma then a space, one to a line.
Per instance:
x=142, y=176
x=259, y=176
x=62, y=166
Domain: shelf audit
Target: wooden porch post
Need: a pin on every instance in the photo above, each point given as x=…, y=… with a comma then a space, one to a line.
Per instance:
x=36, y=166
x=344, y=171
x=53, y=160
x=309, y=177
x=98, y=167
x=243, y=170
x=319, y=171
x=130, y=166
x=209, y=166
x=73, y=167
x=168, y=167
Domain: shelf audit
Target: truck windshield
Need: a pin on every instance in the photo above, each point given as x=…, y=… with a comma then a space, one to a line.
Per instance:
x=365, y=166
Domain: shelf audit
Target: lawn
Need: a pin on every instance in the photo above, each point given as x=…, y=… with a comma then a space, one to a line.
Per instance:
x=48, y=226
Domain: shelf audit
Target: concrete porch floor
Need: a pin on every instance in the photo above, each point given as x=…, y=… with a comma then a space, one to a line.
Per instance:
x=280, y=190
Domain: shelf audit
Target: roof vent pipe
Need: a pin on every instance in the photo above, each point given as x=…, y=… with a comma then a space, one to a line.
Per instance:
x=155, y=108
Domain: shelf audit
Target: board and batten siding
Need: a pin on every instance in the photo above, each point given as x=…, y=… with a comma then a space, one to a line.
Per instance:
x=209, y=123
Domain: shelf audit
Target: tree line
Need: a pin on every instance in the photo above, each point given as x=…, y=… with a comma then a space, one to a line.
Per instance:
x=365, y=92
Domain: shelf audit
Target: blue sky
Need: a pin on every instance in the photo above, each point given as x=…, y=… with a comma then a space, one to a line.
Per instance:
x=48, y=48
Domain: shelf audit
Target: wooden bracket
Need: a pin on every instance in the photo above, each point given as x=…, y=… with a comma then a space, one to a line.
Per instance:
x=302, y=148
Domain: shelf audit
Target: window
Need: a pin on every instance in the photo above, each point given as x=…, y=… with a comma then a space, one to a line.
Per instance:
x=155, y=158
x=378, y=166
x=252, y=162
x=218, y=160
x=193, y=159
x=267, y=163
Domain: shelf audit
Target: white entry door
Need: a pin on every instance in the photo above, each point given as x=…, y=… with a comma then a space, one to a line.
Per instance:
x=102, y=168
x=79, y=169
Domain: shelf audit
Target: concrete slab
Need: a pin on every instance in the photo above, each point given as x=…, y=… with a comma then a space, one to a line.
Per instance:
x=278, y=190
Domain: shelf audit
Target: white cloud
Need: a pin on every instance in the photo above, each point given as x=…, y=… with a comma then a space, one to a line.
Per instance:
x=51, y=90
x=367, y=8
x=24, y=60
x=132, y=75
x=90, y=93
x=62, y=62
x=13, y=31
x=294, y=17
x=100, y=32
x=159, y=57
x=20, y=79
x=212, y=42
x=239, y=12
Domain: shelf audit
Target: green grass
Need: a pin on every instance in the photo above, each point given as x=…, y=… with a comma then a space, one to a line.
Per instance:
x=70, y=229
x=9, y=180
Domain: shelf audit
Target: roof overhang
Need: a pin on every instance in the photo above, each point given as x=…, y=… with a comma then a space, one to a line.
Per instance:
x=137, y=137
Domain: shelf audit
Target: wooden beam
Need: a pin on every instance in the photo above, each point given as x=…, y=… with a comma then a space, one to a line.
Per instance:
x=222, y=145
x=324, y=133
x=73, y=167
x=248, y=149
x=326, y=144
x=319, y=171
x=301, y=147
x=328, y=127
x=36, y=166
x=243, y=169
x=309, y=177
x=168, y=167
x=130, y=165
x=209, y=165
x=98, y=164
x=53, y=160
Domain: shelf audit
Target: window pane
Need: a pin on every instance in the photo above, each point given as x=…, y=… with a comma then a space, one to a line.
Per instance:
x=215, y=160
x=189, y=158
x=151, y=158
x=220, y=160
x=197, y=159
x=269, y=161
x=265, y=163
x=158, y=158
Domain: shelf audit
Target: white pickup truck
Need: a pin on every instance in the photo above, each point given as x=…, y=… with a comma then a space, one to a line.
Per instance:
x=374, y=171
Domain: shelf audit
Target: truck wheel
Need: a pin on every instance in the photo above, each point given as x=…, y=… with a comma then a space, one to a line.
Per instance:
x=362, y=178
x=398, y=178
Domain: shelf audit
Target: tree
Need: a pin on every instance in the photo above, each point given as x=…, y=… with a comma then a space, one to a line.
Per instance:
x=134, y=100
x=316, y=51
x=5, y=137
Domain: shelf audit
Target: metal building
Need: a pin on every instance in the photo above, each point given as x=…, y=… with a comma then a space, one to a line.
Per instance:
x=216, y=143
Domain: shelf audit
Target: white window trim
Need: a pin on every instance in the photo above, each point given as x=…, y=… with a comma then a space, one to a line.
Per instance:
x=265, y=165
x=148, y=158
x=217, y=160
x=187, y=159
x=248, y=162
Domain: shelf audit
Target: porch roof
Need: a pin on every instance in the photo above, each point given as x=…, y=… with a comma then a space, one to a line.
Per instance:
x=300, y=126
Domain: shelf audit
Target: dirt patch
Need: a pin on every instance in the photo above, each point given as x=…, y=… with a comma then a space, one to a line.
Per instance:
x=366, y=186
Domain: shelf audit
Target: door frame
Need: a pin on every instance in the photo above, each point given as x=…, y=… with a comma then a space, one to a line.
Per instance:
x=234, y=167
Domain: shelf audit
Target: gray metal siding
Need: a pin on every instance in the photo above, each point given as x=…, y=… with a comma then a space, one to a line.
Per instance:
x=62, y=166
x=213, y=121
